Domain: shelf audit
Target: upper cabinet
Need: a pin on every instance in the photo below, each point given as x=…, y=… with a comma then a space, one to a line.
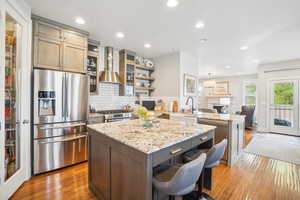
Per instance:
x=74, y=52
x=59, y=47
x=47, y=46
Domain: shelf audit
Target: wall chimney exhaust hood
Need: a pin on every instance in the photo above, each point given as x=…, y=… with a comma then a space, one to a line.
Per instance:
x=108, y=75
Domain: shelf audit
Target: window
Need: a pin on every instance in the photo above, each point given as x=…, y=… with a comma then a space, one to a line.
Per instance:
x=250, y=92
x=284, y=93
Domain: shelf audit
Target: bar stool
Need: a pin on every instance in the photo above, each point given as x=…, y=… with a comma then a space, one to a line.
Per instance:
x=180, y=180
x=214, y=155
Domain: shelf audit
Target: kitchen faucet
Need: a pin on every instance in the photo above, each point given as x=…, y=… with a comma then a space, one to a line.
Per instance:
x=187, y=102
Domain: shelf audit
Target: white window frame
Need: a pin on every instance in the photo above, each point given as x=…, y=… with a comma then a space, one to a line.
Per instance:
x=245, y=83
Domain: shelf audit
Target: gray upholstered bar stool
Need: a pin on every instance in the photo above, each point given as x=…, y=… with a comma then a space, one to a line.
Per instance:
x=214, y=156
x=179, y=181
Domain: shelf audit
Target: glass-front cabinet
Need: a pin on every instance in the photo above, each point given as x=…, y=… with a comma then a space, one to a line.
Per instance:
x=14, y=96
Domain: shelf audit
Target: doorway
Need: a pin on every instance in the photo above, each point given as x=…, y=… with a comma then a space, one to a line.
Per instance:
x=14, y=95
x=284, y=106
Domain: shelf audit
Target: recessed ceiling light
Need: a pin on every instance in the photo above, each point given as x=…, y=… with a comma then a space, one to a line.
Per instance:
x=200, y=24
x=147, y=45
x=227, y=66
x=79, y=20
x=203, y=40
x=172, y=3
x=120, y=35
x=255, y=61
x=243, y=48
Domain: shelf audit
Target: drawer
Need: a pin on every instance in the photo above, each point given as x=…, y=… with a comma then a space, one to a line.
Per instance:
x=169, y=152
x=202, y=138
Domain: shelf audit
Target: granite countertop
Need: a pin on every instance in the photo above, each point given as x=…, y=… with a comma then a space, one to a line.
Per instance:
x=167, y=133
x=213, y=116
x=223, y=117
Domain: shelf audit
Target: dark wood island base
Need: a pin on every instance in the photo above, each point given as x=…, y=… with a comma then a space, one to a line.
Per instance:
x=118, y=171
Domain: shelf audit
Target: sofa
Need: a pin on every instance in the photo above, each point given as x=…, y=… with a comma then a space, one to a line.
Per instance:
x=248, y=111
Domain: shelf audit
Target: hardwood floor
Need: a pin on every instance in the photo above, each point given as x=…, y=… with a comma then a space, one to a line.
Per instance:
x=248, y=136
x=253, y=178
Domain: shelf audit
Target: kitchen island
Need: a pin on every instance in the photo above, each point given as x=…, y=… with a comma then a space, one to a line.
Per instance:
x=229, y=126
x=123, y=155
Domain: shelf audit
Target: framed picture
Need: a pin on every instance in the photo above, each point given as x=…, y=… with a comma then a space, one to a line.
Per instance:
x=190, y=85
x=221, y=88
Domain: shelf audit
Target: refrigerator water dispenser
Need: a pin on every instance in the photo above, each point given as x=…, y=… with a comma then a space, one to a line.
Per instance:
x=46, y=103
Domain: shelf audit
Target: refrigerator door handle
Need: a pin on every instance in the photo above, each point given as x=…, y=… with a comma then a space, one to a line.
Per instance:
x=60, y=127
x=64, y=140
x=63, y=96
x=67, y=96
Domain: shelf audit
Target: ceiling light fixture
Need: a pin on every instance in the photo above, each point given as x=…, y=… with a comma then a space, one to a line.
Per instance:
x=172, y=3
x=120, y=35
x=79, y=20
x=255, y=61
x=227, y=66
x=210, y=83
x=200, y=25
x=147, y=45
x=203, y=40
x=243, y=48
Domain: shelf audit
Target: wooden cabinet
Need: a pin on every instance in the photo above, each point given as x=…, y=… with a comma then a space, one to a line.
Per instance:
x=76, y=39
x=74, y=58
x=93, y=66
x=59, y=47
x=135, y=78
x=47, y=53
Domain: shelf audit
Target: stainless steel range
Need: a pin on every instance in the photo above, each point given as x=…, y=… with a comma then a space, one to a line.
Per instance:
x=116, y=115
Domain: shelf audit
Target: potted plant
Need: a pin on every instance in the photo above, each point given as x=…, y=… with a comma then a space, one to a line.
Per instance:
x=145, y=115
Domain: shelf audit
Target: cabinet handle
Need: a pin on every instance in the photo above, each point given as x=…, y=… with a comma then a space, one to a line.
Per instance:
x=176, y=151
x=203, y=138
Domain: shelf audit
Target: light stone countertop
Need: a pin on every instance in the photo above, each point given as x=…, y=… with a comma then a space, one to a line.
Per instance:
x=167, y=133
x=211, y=116
x=223, y=117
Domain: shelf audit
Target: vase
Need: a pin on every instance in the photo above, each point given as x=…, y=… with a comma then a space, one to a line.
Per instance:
x=148, y=123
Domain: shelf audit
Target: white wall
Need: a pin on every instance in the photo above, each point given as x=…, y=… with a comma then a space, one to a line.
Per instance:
x=288, y=69
x=170, y=72
x=166, y=75
x=235, y=89
x=188, y=65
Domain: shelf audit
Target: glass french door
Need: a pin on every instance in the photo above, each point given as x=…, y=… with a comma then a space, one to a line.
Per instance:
x=284, y=107
x=14, y=132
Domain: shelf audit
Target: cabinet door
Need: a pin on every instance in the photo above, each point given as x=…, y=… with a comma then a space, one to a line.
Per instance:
x=47, y=53
x=76, y=39
x=74, y=58
x=50, y=31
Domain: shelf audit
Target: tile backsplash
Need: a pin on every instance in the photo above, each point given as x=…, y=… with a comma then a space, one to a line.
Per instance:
x=109, y=99
x=110, y=102
x=108, y=89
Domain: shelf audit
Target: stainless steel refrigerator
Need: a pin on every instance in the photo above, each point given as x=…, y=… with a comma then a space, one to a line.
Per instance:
x=60, y=101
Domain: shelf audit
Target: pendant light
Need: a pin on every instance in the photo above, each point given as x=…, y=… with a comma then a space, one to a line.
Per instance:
x=210, y=83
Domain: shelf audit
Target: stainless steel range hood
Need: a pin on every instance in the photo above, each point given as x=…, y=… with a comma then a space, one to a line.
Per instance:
x=108, y=75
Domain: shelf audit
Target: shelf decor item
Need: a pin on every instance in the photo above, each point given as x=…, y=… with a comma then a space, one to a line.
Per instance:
x=190, y=85
x=135, y=72
x=145, y=115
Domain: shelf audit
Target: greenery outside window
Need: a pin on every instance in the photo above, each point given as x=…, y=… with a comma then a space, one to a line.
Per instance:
x=284, y=93
x=250, y=92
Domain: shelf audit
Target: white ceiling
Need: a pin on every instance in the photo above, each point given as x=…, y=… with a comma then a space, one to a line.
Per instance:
x=271, y=28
